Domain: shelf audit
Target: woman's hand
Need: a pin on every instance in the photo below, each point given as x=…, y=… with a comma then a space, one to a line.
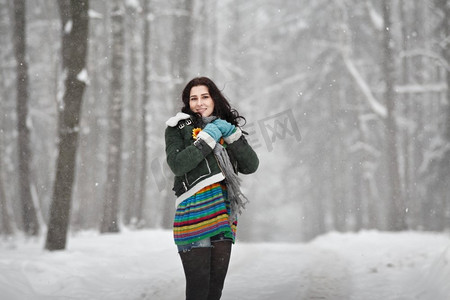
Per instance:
x=213, y=131
x=225, y=127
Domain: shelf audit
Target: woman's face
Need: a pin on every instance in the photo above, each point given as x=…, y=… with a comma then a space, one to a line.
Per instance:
x=200, y=101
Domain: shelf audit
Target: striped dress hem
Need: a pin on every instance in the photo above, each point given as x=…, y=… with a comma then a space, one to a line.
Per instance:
x=204, y=214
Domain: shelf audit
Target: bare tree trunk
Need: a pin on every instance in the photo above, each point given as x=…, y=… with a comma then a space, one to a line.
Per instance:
x=131, y=164
x=110, y=221
x=336, y=195
x=446, y=163
x=416, y=145
x=396, y=208
x=443, y=190
x=405, y=134
x=5, y=216
x=29, y=217
x=75, y=41
x=208, y=34
x=144, y=111
x=5, y=225
x=181, y=52
x=360, y=193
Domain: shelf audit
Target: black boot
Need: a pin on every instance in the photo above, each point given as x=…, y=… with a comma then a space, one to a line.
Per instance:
x=220, y=258
x=196, y=265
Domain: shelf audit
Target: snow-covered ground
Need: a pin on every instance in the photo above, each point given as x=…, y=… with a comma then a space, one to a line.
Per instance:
x=144, y=265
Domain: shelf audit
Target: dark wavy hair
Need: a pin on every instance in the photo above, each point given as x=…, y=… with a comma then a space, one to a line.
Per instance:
x=222, y=107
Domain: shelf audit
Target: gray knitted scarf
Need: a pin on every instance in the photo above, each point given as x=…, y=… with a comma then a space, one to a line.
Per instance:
x=237, y=199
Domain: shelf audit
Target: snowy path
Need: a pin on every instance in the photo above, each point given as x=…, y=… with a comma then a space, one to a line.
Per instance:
x=259, y=273
x=286, y=272
x=144, y=265
x=329, y=277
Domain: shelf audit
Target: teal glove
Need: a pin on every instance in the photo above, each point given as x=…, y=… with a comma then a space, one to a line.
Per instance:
x=213, y=131
x=225, y=127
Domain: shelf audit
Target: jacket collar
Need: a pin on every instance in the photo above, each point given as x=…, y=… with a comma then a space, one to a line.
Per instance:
x=173, y=121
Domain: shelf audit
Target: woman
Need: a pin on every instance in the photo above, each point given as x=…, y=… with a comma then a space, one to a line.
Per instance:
x=205, y=150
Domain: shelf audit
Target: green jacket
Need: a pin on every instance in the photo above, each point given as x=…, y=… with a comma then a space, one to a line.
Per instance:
x=196, y=168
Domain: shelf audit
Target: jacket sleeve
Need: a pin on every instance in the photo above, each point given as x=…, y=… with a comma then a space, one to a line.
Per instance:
x=182, y=159
x=243, y=153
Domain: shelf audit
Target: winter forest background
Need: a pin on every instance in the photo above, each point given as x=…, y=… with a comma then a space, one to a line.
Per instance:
x=347, y=105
